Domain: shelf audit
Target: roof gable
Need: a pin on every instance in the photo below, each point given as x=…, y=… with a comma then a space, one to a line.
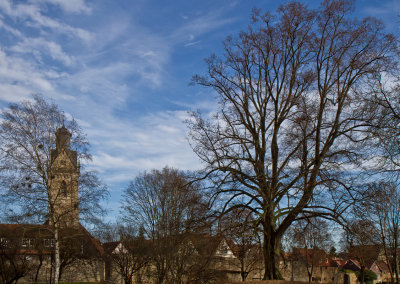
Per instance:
x=224, y=250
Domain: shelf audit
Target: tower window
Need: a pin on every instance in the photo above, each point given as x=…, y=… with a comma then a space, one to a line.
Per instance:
x=64, y=189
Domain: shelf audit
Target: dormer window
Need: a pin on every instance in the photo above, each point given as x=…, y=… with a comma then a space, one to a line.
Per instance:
x=48, y=243
x=4, y=242
x=64, y=191
x=27, y=243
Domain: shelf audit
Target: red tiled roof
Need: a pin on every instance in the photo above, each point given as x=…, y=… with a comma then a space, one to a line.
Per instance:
x=318, y=256
x=8, y=227
x=352, y=264
x=43, y=231
x=340, y=262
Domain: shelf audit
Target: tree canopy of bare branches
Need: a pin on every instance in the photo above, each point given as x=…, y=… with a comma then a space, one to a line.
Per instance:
x=290, y=114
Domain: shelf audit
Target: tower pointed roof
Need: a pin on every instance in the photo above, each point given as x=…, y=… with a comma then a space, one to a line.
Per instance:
x=63, y=143
x=63, y=138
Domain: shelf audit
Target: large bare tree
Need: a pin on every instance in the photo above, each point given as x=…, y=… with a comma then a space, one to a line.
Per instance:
x=290, y=112
x=27, y=136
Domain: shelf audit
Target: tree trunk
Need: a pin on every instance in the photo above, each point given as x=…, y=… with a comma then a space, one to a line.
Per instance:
x=362, y=274
x=396, y=265
x=310, y=273
x=395, y=252
x=128, y=280
x=270, y=247
x=243, y=272
x=56, y=255
x=39, y=266
x=160, y=271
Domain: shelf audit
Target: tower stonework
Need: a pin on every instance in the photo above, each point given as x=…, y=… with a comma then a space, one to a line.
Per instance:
x=63, y=181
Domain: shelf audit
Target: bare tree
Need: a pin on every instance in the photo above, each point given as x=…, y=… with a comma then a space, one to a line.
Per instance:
x=385, y=122
x=15, y=263
x=314, y=238
x=289, y=115
x=383, y=209
x=383, y=200
x=76, y=246
x=238, y=226
x=362, y=241
x=129, y=255
x=27, y=136
x=168, y=208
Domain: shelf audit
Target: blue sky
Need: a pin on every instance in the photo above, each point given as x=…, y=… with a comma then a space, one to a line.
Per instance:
x=122, y=68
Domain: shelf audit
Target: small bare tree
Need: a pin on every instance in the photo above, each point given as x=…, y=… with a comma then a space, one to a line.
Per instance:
x=15, y=263
x=382, y=207
x=362, y=243
x=314, y=238
x=239, y=228
x=129, y=255
x=168, y=208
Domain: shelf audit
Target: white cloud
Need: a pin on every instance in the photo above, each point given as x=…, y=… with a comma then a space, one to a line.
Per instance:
x=11, y=30
x=33, y=17
x=152, y=141
x=382, y=9
x=13, y=93
x=100, y=85
x=192, y=43
x=387, y=11
x=144, y=51
x=39, y=46
x=16, y=71
x=201, y=25
x=69, y=6
x=125, y=59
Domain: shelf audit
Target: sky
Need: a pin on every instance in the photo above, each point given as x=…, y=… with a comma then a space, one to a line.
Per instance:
x=122, y=69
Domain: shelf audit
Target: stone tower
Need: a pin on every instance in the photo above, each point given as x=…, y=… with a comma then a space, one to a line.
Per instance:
x=63, y=181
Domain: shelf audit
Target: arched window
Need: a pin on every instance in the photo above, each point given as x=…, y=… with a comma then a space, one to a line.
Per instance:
x=64, y=189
